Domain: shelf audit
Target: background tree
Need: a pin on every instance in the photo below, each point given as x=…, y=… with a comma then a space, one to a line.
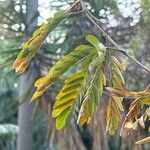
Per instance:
x=25, y=136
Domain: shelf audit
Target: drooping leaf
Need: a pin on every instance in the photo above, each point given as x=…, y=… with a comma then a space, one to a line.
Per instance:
x=31, y=47
x=79, y=54
x=66, y=98
x=113, y=117
x=118, y=63
x=92, y=96
x=117, y=72
x=132, y=117
x=115, y=106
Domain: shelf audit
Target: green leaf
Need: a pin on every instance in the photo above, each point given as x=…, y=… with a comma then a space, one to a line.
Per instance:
x=93, y=40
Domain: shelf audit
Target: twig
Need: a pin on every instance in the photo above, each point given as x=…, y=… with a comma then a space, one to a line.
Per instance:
x=117, y=47
x=130, y=57
x=77, y=12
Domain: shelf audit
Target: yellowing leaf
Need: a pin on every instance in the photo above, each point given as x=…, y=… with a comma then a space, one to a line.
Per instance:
x=31, y=47
x=64, y=64
x=84, y=115
x=116, y=71
x=90, y=103
x=20, y=65
x=67, y=98
x=134, y=111
x=118, y=102
x=113, y=118
x=57, y=110
x=117, y=93
x=39, y=81
x=37, y=94
x=145, y=101
x=120, y=65
x=117, y=82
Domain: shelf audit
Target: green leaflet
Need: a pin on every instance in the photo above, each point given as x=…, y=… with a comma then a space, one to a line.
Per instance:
x=90, y=103
x=62, y=118
x=93, y=40
x=84, y=65
x=66, y=98
x=96, y=43
x=79, y=54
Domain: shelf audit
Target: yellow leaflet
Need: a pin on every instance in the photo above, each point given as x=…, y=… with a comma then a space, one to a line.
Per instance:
x=118, y=102
x=104, y=79
x=84, y=116
x=78, y=76
x=145, y=101
x=116, y=70
x=40, y=81
x=65, y=63
x=61, y=107
x=117, y=82
x=119, y=64
x=37, y=94
x=68, y=94
x=113, y=118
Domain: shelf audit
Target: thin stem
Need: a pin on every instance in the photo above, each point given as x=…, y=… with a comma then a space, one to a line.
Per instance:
x=130, y=57
x=117, y=47
x=77, y=12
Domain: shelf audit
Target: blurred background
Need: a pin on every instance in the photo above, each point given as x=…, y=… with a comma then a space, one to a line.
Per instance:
x=25, y=126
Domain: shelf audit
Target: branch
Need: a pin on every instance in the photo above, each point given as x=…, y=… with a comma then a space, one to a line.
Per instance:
x=130, y=57
x=93, y=19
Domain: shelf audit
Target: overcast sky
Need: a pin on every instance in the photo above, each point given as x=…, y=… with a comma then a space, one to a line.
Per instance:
x=126, y=7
